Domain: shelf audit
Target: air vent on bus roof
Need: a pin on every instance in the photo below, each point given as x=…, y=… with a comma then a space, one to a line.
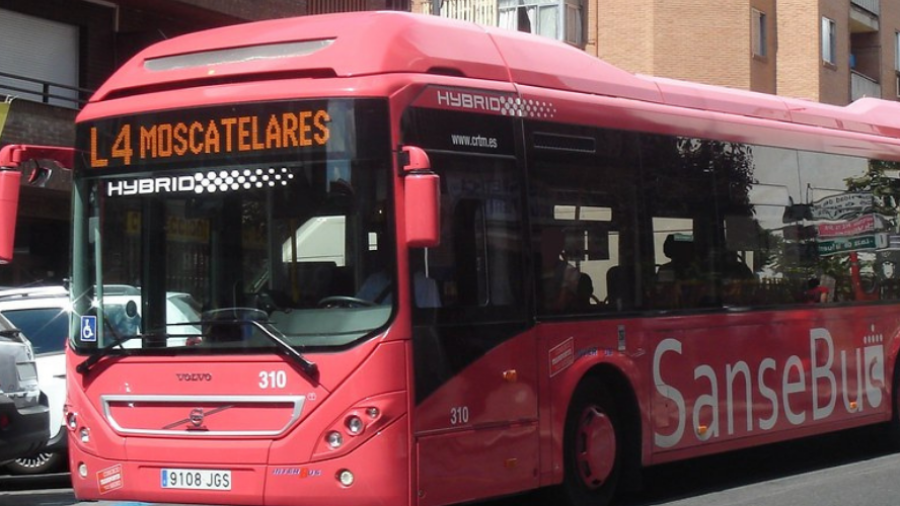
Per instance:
x=570, y=143
x=322, y=73
x=446, y=71
x=235, y=55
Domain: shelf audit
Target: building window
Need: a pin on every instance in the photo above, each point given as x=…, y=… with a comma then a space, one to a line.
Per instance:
x=829, y=41
x=40, y=59
x=575, y=22
x=556, y=19
x=758, y=32
x=897, y=51
x=331, y=6
x=483, y=12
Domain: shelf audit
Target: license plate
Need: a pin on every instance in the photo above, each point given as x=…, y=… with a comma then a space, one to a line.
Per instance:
x=196, y=479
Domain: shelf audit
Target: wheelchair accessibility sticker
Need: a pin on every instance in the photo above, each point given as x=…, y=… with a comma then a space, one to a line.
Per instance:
x=89, y=328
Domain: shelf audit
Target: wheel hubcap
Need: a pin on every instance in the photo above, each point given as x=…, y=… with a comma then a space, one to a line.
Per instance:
x=36, y=461
x=595, y=447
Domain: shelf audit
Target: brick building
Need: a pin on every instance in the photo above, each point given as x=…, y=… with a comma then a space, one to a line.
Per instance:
x=55, y=52
x=831, y=51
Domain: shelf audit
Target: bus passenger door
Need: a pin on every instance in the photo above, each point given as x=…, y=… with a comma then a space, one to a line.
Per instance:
x=475, y=368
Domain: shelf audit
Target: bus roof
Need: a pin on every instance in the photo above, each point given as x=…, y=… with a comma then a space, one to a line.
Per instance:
x=372, y=43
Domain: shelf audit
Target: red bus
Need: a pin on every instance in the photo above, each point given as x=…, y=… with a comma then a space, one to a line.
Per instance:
x=423, y=262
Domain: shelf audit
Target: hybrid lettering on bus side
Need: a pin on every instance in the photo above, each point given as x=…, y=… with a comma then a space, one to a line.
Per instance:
x=475, y=101
x=233, y=134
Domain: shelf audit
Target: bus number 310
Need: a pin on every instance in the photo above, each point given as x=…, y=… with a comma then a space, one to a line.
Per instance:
x=272, y=379
x=459, y=415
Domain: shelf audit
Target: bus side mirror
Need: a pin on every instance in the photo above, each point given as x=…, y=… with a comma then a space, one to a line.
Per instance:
x=422, y=199
x=12, y=158
x=9, y=207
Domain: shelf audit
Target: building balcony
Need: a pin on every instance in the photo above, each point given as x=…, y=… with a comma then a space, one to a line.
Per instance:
x=864, y=16
x=863, y=86
x=40, y=112
x=483, y=12
x=45, y=92
x=872, y=6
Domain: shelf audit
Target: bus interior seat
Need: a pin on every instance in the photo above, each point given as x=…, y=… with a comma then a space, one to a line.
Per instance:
x=427, y=294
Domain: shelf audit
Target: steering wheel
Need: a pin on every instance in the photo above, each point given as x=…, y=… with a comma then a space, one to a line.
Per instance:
x=344, y=301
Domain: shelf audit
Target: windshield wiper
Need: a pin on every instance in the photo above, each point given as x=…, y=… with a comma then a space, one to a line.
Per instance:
x=308, y=366
x=240, y=316
x=85, y=366
x=12, y=333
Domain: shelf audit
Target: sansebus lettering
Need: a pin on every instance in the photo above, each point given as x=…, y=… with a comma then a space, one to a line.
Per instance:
x=821, y=371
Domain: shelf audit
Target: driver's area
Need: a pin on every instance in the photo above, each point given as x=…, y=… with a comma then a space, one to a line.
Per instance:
x=329, y=271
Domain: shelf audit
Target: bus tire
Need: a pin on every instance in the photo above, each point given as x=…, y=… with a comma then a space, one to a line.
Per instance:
x=893, y=428
x=593, y=446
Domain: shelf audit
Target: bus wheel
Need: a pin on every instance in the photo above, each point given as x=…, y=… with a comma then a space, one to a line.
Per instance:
x=894, y=425
x=593, y=446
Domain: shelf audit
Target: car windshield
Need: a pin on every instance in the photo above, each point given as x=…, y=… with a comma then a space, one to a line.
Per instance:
x=227, y=256
x=46, y=328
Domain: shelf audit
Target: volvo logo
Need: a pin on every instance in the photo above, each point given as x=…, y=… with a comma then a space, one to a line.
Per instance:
x=194, y=376
x=196, y=418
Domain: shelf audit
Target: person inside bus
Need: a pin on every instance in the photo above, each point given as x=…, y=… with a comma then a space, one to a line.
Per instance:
x=559, y=278
x=736, y=278
x=378, y=288
x=815, y=292
x=584, y=294
x=675, y=279
x=679, y=249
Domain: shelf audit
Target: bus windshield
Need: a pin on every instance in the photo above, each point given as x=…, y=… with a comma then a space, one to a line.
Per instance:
x=225, y=257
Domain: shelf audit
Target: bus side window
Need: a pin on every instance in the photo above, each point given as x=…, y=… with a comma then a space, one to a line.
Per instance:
x=475, y=271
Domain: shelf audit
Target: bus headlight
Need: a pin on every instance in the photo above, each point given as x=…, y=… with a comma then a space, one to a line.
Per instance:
x=354, y=425
x=358, y=424
x=334, y=439
x=345, y=476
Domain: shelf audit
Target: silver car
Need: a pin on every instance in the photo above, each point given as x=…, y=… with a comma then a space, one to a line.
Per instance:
x=24, y=415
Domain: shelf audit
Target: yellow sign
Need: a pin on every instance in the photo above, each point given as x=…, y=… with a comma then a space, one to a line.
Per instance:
x=4, y=113
x=217, y=135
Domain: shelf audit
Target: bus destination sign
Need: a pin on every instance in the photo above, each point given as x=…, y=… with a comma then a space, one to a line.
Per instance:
x=191, y=135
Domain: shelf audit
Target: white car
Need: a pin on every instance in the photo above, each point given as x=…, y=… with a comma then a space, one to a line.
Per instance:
x=42, y=314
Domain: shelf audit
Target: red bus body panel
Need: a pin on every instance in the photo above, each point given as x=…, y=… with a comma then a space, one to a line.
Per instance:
x=126, y=437
x=807, y=372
